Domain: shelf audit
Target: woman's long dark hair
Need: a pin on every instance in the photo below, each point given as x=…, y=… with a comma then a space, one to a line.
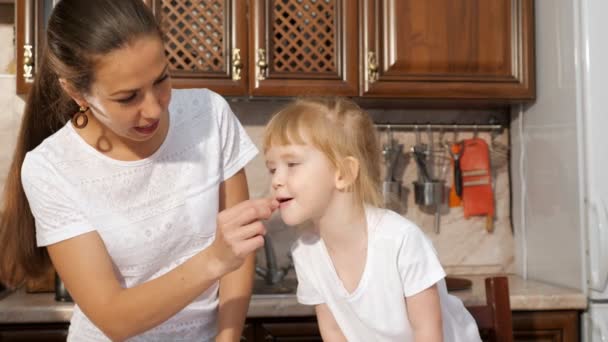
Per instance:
x=78, y=33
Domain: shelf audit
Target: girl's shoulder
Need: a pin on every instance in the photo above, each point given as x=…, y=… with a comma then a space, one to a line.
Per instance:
x=389, y=223
x=306, y=243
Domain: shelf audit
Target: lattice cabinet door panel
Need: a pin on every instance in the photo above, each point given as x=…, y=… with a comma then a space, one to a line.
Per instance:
x=205, y=43
x=303, y=47
x=448, y=49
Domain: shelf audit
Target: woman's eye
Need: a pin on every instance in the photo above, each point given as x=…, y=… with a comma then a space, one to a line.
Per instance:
x=160, y=80
x=292, y=164
x=271, y=171
x=128, y=99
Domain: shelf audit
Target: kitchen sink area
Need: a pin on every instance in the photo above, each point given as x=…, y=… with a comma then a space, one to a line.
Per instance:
x=286, y=286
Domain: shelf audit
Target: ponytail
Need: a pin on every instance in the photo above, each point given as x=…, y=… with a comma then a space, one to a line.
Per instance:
x=47, y=109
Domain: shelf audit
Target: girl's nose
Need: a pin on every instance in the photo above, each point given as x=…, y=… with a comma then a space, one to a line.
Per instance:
x=277, y=180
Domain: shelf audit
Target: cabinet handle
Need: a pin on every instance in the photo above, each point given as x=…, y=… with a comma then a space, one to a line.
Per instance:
x=262, y=65
x=237, y=64
x=28, y=62
x=372, y=66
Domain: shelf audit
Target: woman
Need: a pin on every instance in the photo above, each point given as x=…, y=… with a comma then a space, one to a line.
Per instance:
x=135, y=191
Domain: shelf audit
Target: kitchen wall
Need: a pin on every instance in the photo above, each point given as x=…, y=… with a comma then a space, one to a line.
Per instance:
x=10, y=105
x=463, y=245
x=547, y=145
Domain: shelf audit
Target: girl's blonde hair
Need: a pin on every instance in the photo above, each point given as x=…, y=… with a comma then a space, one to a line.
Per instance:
x=337, y=127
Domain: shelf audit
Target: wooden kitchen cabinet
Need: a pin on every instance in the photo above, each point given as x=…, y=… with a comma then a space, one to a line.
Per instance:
x=448, y=49
x=402, y=49
x=554, y=326
x=528, y=326
x=29, y=33
x=303, y=47
x=205, y=43
x=278, y=48
x=287, y=329
x=57, y=332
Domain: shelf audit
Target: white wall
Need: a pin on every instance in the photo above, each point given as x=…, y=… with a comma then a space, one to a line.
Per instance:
x=545, y=160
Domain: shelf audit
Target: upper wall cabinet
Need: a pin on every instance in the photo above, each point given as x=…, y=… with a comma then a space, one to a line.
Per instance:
x=480, y=50
x=303, y=47
x=448, y=49
x=205, y=43
x=282, y=48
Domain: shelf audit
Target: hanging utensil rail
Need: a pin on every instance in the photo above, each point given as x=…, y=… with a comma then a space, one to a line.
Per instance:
x=439, y=127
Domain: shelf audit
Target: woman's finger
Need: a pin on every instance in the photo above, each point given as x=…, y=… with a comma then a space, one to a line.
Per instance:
x=246, y=232
x=250, y=245
x=247, y=212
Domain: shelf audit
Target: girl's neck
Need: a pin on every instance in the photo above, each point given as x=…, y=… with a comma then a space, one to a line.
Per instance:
x=344, y=224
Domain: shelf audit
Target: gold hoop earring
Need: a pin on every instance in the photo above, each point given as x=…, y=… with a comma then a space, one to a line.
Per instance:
x=80, y=119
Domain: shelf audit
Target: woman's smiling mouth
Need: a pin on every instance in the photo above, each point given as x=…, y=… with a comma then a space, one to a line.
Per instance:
x=149, y=129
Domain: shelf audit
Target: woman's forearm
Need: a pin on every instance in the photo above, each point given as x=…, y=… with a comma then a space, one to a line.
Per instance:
x=129, y=312
x=235, y=294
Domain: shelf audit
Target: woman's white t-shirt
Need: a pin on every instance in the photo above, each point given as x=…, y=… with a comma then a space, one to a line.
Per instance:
x=401, y=262
x=152, y=214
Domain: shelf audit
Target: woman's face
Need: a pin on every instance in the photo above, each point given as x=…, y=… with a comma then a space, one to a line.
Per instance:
x=131, y=91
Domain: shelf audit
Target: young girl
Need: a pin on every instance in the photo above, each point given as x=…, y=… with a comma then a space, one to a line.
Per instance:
x=370, y=273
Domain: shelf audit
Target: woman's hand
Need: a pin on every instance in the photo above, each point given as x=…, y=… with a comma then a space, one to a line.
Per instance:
x=240, y=232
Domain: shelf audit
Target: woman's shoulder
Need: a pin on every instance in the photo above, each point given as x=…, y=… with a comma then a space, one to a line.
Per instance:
x=200, y=98
x=197, y=105
x=51, y=150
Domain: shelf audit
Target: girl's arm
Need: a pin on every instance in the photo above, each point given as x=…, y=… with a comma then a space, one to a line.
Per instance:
x=424, y=312
x=235, y=287
x=86, y=269
x=330, y=331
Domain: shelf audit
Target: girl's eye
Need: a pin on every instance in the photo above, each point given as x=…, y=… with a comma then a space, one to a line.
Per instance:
x=292, y=164
x=271, y=171
x=128, y=99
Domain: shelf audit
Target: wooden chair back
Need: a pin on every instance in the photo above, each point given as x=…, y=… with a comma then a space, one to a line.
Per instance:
x=495, y=319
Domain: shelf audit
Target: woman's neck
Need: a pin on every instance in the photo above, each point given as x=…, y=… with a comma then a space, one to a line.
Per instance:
x=116, y=147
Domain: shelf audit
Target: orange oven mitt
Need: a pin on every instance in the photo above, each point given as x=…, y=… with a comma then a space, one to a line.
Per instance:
x=477, y=194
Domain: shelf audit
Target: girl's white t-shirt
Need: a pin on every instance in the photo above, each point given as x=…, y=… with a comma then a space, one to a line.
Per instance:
x=152, y=214
x=401, y=262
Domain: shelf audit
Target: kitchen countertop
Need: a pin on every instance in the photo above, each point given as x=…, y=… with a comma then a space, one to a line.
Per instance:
x=526, y=295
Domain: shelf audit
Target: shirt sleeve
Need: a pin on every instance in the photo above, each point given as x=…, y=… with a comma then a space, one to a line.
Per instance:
x=419, y=266
x=306, y=293
x=53, y=202
x=237, y=149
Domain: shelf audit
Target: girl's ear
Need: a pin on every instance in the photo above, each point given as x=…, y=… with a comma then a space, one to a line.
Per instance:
x=75, y=95
x=347, y=173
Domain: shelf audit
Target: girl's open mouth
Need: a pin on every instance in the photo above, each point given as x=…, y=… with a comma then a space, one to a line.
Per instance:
x=284, y=201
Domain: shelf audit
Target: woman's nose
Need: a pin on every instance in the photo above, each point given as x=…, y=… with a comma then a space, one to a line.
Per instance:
x=151, y=107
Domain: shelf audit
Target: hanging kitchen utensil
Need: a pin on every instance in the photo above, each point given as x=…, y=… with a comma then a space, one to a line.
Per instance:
x=455, y=149
x=477, y=194
x=391, y=187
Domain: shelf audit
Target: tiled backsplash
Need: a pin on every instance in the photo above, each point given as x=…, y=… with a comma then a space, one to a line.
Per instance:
x=463, y=245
